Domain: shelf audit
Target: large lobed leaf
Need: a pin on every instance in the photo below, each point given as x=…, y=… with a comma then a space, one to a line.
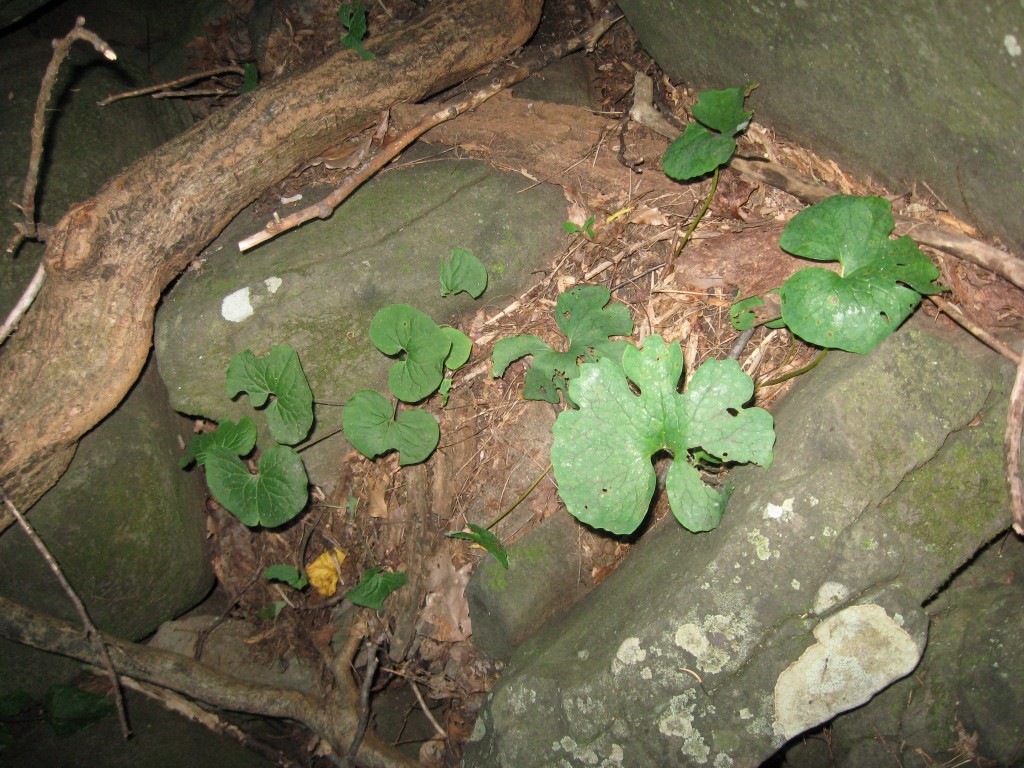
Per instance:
x=271, y=498
x=588, y=320
x=399, y=328
x=602, y=453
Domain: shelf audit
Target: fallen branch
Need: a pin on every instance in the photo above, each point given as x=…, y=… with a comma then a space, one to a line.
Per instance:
x=167, y=90
x=529, y=63
x=1014, y=425
x=334, y=717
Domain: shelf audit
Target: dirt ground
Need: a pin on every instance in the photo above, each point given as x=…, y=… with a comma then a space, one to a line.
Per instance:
x=609, y=169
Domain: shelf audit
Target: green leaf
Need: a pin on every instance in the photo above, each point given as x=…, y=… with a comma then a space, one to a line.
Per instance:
x=250, y=78
x=370, y=426
x=69, y=709
x=741, y=314
x=587, y=229
x=588, y=323
x=288, y=574
x=696, y=152
x=279, y=373
x=481, y=536
x=463, y=272
x=400, y=328
x=374, y=588
x=353, y=17
x=602, y=452
x=272, y=611
x=271, y=498
x=844, y=228
x=881, y=282
x=445, y=390
x=462, y=348
x=238, y=438
x=14, y=703
x=723, y=111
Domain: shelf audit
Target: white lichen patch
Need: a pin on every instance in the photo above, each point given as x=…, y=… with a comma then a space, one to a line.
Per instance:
x=236, y=307
x=629, y=653
x=830, y=594
x=714, y=641
x=272, y=283
x=795, y=584
x=587, y=755
x=677, y=721
x=783, y=511
x=858, y=652
x=522, y=699
x=762, y=547
x=1011, y=45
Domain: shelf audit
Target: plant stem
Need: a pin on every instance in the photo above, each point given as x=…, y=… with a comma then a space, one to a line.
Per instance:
x=793, y=374
x=696, y=221
x=521, y=499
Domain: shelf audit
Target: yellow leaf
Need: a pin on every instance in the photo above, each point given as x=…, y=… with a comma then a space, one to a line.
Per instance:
x=323, y=573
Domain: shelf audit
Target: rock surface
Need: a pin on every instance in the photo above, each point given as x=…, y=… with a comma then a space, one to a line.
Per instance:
x=317, y=288
x=897, y=90
x=716, y=649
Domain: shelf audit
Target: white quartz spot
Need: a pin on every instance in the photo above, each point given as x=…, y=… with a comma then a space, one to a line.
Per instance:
x=858, y=652
x=272, y=283
x=236, y=306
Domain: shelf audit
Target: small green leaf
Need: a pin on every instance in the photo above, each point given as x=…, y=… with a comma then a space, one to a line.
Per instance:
x=271, y=498
x=602, y=453
x=723, y=111
x=463, y=272
x=69, y=709
x=741, y=313
x=288, y=574
x=588, y=320
x=353, y=17
x=14, y=703
x=238, y=438
x=843, y=228
x=279, y=373
x=575, y=229
x=370, y=426
x=445, y=390
x=374, y=588
x=481, y=536
x=696, y=152
x=400, y=328
x=250, y=78
x=272, y=611
x=462, y=348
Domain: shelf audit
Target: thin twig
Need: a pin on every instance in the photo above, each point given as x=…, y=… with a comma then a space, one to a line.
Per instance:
x=364, y=703
x=954, y=313
x=28, y=228
x=1014, y=424
x=171, y=85
x=91, y=632
x=515, y=74
x=426, y=711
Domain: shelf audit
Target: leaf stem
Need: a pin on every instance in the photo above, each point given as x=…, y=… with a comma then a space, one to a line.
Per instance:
x=696, y=221
x=521, y=499
x=793, y=374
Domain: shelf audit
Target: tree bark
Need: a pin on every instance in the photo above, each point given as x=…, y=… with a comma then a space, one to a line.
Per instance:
x=86, y=338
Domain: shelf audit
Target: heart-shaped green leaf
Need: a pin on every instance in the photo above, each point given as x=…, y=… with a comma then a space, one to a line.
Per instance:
x=288, y=574
x=588, y=323
x=370, y=426
x=463, y=272
x=723, y=111
x=697, y=151
x=462, y=348
x=238, y=438
x=881, y=283
x=602, y=453
x=271, y=498
x=400, y=328
x=483, y=538
x=374, y=588
x=279, y=373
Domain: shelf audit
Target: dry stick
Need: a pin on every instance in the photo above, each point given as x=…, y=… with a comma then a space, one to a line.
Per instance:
x=364, y=703
x=170, y=85
x=954, y=313
x=92, y=634
x=1014, y=424
x=426, y=711
x=27, y=228
x=389, y=152
x=177, y=703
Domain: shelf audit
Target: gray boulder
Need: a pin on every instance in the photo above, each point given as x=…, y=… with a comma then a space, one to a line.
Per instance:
x=716, y=649
x=318, y=287
x=897, y=90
